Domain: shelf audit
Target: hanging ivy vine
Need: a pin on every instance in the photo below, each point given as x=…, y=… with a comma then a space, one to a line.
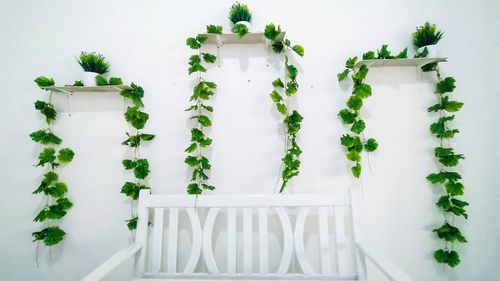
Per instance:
x=200, y=109
x=283, y=90
x=139, y=165
x=51, y=157
x=354, y=142
x=446, y=177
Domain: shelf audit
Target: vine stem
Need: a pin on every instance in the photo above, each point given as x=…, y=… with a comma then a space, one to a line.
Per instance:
x=287, y=103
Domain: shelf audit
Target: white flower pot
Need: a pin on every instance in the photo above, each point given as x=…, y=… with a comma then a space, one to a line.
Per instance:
x=245, y=23
x=434, y=51
x=89, y=79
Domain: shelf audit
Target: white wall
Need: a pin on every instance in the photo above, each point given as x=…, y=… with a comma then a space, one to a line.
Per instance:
x=144, y=40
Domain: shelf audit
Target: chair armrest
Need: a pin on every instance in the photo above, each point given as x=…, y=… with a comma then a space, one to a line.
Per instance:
x=114, y=261
x=385, y=265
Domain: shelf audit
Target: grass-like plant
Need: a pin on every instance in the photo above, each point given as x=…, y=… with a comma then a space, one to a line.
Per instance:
x=426, y=34
x=93, y=62
x=239, y=12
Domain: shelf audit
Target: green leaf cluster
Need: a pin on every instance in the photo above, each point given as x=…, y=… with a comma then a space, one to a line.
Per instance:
x=140, y=167
x=45, y=136
x=135, y=94
x=240, y=29
x=49, y=235
x=427, y=34
x=132, y=190
x=54, y=212
x=239, y=12
x=451, y=258
x=132, y=223
x=47, y=110
x=196, y=42
x=136, y=117
x=43, y=81
x=135, y=140
x=93, y=62
x=214, y=29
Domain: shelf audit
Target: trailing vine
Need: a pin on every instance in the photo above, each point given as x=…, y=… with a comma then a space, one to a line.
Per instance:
x=51, y=157
x=446, y=177
x=200, y=109
x=354, y=142
x=139, y=165
x=283, y=90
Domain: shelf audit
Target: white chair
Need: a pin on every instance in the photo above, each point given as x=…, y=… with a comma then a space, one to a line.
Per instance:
x=341, y=254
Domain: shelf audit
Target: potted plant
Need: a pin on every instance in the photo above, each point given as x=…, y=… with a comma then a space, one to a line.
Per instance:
x=240, y=16
x=426, y=37
x=93, y=64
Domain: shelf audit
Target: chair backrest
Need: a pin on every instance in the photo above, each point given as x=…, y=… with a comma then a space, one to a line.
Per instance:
x=310, y=235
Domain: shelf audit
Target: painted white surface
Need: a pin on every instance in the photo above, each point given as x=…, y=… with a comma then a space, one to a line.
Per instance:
x=144, y=40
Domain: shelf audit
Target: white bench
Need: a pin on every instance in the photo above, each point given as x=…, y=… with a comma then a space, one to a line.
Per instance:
x=249, y=219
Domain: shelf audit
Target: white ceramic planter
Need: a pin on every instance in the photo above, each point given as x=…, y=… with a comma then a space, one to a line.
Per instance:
x=434, y=51
x=245, y=23
x=89, y=79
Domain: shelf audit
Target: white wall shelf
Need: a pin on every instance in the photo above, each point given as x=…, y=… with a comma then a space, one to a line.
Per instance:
x=232, y=38
x=418, y=62
x=81, y=89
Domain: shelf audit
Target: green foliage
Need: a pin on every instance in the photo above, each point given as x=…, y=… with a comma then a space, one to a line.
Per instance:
x=43, y=81
x=140, y=167
x=65, y=155
x=215, y=29
x=135, y=94
x=132, y=190
x=403, y=54
x=209, y=58
x=450, y=233
x=100, y=80
x=427, y=34
x=441, y=130
x=45, y=137
x=136, y=117
x=135, y=140
x=370, y=55
x=447, y=157
x=239, y=12
x=115, y=81
x=299, y=50
x=271, y=31
x=47, y=109
x=47, y=156
x=343, y=75
x=446, y=104
x=49, y=235
x=195, y=64
x=447, y=85
x=78, y=83
x=132, y=223
x=371, y=145
x=195, y=43
x=240, y=29
x=55, y=211
x=347, y=116
x=93, y=62
x=384, y=53
x=450, y=258
x=351, y=62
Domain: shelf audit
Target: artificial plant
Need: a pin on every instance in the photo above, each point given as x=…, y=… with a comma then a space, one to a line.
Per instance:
x=283, y=90
x=239, y=14
x=200, y=109
x=93, y=62
x=446, y=176
x=139, y=165
x=50, y=158
x=354, y=142
x=426, y=35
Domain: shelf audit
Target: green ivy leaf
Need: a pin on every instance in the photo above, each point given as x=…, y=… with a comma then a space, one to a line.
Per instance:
x=115, y=81
x=291, y=88
x=447, y=85
x=371, y=145
x=354, y=102
x=282, y=109
x=191, y=161
x=271, y=31
x=292, y=71
x=45, y=137
x=358, y=126
x=43, y=81
x=100, y=80
x=347, y=141
x=353, y=156
x=278, y=83
x=277, y=47
x=193, y=188
x=370, y=55
x=299, y=50
x=203, y=120
x=356, y=170
x=195, y=64
x=450, y=233
x=193, y=43
x=215, y=29
x=360, y=75
x=132, y=190
x=351, y=62
x=403, y=54
x=384, y=53
x=191, y=148
x=136, y=117
x=50, y=235
x=347, y=116
x=46, y=109
x=47, y=156
x=128, y=164
x=78, y=83
x=454, y=188
x=443, y=176
x=450, y=258
x=276, y=97
x=135, y=94
x=65, y=155
x=343, y=75
x=209, y=58
x=208, y=187
x=240, y=29
x=447, y=156
x=132, y=223
x=362, y=90
x=141, y=169
x=57, y=190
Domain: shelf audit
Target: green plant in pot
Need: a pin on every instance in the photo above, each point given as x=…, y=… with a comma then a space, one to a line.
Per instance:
x=241, y=17
x=94, y=65
x=425, y=39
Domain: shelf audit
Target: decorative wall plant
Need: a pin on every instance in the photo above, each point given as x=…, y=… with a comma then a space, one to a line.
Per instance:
x=94, y=65
x=447, y=159
x=354, y=142
x=51, y=187
x=283, y=90
x=204, y=90
x=139, y=165
x=241, y=18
